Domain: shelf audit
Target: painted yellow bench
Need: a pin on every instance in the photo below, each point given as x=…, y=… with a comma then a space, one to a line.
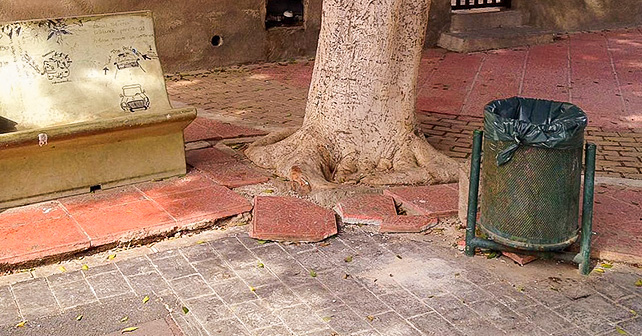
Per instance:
x=83, y=106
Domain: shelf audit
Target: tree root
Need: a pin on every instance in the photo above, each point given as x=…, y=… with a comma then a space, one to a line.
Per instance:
x=308, y=161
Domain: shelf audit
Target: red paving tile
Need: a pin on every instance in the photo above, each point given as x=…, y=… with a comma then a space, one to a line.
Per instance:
x=448, y=87
x=29, y=233
x=500, y=77
x=407, y=224
x=207, y=156
x=31, y=213
x=366, y=209
x=433, y=200
x=547, y=73
x=102, y=199
x=208, y=129
x=232, y=174
x=192, y=180
x=617, y=223
x=124, y=222
x=594, y=86
x=291, y=219
x=211, y=203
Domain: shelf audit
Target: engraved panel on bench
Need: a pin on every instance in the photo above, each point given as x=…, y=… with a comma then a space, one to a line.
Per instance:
x=62, y=71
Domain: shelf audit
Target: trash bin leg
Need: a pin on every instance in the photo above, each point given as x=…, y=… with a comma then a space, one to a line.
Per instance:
x=587, y=210
x=473, y=191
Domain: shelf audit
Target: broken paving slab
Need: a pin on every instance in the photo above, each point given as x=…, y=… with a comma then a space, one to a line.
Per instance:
x=407, y=224
x=208, y=129
x=224, y=168
x=440, y=200
x=291, y=219
x=366, y=209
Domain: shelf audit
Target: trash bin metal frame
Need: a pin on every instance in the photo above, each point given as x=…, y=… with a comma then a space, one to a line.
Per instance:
x=532, y=202
x=473, y=242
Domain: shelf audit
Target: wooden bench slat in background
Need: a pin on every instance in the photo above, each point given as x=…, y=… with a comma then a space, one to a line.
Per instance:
x=83, y=104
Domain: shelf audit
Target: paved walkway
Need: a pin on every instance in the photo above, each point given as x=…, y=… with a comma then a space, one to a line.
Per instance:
x=600, y=72
x=221, y=282
x=358, y=284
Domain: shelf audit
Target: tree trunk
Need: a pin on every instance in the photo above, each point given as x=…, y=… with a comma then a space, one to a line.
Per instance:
x=360, y=123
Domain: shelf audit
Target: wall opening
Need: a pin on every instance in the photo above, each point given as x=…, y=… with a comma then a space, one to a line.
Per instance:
x=284, y=13
x=217, y=40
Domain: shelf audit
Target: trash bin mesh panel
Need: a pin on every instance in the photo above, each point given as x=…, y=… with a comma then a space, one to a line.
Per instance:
x=531, y=202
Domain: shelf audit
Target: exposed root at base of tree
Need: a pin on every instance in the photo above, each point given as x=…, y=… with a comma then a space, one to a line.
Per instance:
x=311, y=164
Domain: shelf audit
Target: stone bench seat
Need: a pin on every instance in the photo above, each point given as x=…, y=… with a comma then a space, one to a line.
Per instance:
x=83, y=106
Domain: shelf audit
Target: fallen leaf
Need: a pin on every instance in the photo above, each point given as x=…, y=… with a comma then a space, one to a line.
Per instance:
x=85, y=267
x=62, y=269
x=605, y=265
x=111, y=256
x=598, y=270
x=327, y=318
x=185, y=310
x=260, y=265
x=200, y=242
x=348, y=259
x=370, y=318
x=324, y=244
x=130, y=329
x=124, y=319
x=79, y=317
x=520, y=288
x=313, y=273
x=252, y=289
x=261, y=242
x=638, y=283
x=268, y=191
x=493, y=254
x=146, y=299
x=21, y=324
x=633, y=312
x=399, y=257
x=345, y=276
x=620, y=331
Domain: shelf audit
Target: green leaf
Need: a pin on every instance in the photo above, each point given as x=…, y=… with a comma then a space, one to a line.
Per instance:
x=146, y=299
x=185, y=310
x=620, y=331
x=21, y=324
x=111, y=256
x=598, y=270
x=261, y=242
x=493, y=254
x=606, y=265
x=638, y=283
x=633, y=312
x=79, y=317
x=327, y=318
x=260, y=265
x=348, y=259
x=130, y=329
x=313, y=273
x=520, y=288
x=201, y=242
x=85, y=267
x=124, y=319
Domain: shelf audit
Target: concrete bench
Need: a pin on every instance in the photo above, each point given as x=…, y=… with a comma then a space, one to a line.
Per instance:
x=83, y=106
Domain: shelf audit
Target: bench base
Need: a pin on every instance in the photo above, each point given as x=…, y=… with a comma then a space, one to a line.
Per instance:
x=83, y=157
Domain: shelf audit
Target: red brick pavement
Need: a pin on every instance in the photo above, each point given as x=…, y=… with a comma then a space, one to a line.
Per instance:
x=600, y=72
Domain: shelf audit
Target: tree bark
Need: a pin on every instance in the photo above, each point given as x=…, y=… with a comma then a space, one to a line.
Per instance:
x=360, y=123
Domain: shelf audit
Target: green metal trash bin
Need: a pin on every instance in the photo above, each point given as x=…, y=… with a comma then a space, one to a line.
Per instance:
x=532, y=165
